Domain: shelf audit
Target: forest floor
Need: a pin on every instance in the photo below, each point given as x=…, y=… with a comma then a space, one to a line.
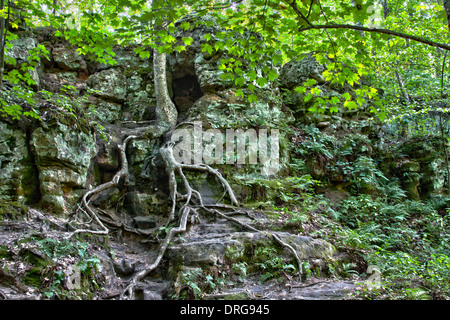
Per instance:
x=37, y=257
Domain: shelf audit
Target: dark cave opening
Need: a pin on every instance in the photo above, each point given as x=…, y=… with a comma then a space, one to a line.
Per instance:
x=186, y=91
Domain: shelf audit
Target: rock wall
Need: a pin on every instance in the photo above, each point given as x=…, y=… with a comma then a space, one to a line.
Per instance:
x=49, y=164
x=54, y=161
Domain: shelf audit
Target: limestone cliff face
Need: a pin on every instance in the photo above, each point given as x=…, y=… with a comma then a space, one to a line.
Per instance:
x=53, y=162
x=87, y=110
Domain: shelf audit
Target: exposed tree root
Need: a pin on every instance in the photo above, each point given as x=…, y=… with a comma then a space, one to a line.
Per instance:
x=273, y=234
x=167, y=116
x=188, y=207
x=172, y=168
x=87, y=209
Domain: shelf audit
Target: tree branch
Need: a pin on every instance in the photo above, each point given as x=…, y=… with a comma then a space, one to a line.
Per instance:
x=377, y=30
x=299, y=13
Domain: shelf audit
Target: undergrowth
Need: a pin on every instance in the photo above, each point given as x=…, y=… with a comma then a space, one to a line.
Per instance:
x=377, y=224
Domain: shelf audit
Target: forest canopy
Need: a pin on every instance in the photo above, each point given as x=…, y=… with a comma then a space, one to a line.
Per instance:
x=399, y=47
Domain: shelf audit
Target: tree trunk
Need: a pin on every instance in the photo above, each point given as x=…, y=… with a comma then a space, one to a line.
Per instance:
x=447, y=11
x=2, y=44
x=446, y=4
x=166, y=112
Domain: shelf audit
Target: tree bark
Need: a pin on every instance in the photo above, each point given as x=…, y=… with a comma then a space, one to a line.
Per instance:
x=379, y=30
x=446, y=5
x=166, y=112
x=2, y=45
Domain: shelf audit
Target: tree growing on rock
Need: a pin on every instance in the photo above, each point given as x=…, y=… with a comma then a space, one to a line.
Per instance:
x=264, y=45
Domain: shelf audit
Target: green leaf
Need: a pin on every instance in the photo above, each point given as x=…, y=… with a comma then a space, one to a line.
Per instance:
x=360, y=101
x=180, y=48
x=346, y=96
x=300, y=89
x=277, y=59
x=219, y=45
x=272, y=75
x=351, y=105
x=144, y=54
x=239, y=81
x=310, y=82
x=252, y=98
x=207, y=36
x=252, y=75
x=334, y=100
x=227, y=76
x=187, y=40
x=308, y=97
x=261, y=81
x=316, y=90
x=207, y=47
x=185, y=25
x=313, y=108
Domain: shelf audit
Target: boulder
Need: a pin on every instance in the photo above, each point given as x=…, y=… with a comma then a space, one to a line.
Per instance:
x=124, y=58
x=110, y=84
x=208, y=245
x=208, y=74
x=20, y=49
x=223, y=109
x=297, y=71
x=104, y=111
x=18, y=176
x=410, y=166
x=20, y=52
x=67, y=58
x=54, y=81
x=140, y=205
x=63, y=157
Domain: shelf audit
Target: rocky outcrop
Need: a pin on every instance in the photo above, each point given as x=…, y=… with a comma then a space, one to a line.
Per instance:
x=20, y=53
x=52, y=163
x=67, y=58
x=17, y=172
x=296, y=72
x=63, y=158
x=109, y=84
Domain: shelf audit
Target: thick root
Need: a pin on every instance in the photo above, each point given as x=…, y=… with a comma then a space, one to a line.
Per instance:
x=87, y=209
x=172, y=168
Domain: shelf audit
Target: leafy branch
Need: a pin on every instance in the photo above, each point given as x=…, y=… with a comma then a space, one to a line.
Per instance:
x=379, y=30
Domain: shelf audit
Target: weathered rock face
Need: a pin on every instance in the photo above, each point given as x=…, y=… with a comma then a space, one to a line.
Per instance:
x=109, y=84
x=17, y=174
x=55, y=161
x=66, y=58
x=20, y=52
x=194, y=62
x=223, y=249
x=296, y=72
x=424, y=167
x=214, y=243
x=222, y=109
x=63, y=158
x=105, y=111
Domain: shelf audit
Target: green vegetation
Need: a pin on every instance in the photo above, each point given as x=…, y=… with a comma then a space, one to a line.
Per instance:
x=60, y=269
x=12, y=210
x=405, y=237
x=367, y=166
